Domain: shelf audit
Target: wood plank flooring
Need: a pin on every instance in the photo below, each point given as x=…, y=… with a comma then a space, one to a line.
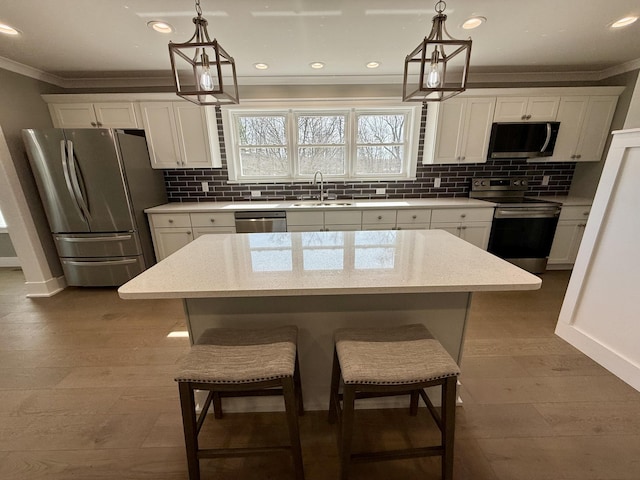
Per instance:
x=87, y=392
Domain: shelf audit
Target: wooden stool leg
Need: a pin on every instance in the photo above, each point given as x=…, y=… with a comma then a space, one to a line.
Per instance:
x=217, y=405
x=413, y=405
x=292, y=421
x=348, y=413
x=298, y=385
x=335, y=385
x=189, y=422
x=448, y=425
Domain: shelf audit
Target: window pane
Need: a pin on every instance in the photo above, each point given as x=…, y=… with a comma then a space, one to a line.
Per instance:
x=382, y=160
x=266, y=130
x=380, y=129
x=329, y=160
x=264, y=161
x=321, y=129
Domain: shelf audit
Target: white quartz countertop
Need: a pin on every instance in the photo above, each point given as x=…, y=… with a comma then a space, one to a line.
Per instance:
x=569, y=201
x=326, y=263
x=195, y=207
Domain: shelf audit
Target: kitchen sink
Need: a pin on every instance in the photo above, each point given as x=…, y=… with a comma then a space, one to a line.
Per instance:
x=323, y=204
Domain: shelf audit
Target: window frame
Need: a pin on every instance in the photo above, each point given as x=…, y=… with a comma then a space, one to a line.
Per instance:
x=292, y=110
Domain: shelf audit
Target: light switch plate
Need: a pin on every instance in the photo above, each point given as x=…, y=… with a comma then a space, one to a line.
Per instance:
x=256, y=193
x=205, y=186
x=436, y=182
x=381, y=191
x=545, y=180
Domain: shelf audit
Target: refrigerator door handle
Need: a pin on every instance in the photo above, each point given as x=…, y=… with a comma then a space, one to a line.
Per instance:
x=106, y=263
x=76, y=180
x=67, y=177
x=114, y=238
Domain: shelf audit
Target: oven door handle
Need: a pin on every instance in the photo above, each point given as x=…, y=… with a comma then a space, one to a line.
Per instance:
x=530, y=212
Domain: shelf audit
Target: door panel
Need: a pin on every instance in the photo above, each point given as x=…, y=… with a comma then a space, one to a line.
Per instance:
x=99, y=169
x=44, y=148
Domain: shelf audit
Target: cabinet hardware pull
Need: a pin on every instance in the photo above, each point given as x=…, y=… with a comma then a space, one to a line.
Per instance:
x=94, y=124
x=414, y=216
x=379, y=217
x=212, y=220
x=170, y=220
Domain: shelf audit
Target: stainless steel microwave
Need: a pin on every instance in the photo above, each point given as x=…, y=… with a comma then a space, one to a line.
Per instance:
x=523, y=139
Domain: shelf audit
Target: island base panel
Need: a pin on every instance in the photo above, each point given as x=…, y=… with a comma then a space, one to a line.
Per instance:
x=317, y=317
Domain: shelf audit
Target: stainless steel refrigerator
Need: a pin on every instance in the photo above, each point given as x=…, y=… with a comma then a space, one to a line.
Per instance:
x=94, y=185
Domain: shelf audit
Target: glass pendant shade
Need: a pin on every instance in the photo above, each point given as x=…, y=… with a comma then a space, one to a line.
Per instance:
x=437, y=69
x=203, y=72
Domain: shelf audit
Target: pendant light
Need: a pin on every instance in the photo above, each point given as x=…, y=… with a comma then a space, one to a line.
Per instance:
x=201, y=68
x=431, y=62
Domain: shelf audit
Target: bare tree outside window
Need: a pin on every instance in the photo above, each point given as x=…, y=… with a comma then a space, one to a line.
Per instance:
x=380, y=148
x=263, y=145
x=321, y=144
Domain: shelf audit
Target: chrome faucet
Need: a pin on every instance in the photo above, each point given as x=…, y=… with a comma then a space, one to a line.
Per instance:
x=315, y=182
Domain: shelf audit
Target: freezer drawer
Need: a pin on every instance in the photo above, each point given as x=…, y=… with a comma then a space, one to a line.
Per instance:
x=101, y=272
x=97, y=244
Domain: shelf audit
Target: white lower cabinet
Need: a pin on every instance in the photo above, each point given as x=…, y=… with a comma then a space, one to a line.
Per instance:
x=171, y=232
x=342, y=220
x=379, y=219
x=305, y=221
x=569, y=232
x=471, y=224
x=413, y=219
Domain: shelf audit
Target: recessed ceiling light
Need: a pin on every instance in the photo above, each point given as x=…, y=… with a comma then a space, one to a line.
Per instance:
x=8, y=30
x=158, y=26
x=261, y=66
x=473, y=22
x=623, y=22
x=316, y=65
x=373, y=64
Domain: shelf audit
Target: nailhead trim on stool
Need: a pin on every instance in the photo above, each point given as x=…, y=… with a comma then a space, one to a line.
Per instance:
x=235, y=363
x=387, y=362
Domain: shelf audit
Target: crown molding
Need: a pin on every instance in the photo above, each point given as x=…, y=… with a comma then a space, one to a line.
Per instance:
x=166, y=81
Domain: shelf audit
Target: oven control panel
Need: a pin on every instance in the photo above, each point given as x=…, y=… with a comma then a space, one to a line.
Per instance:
x=499, y=184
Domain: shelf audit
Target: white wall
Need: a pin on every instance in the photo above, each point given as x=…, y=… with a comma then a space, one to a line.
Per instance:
x=633, y=116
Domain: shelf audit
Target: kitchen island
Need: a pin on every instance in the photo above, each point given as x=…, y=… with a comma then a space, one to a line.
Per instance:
x=321, y=281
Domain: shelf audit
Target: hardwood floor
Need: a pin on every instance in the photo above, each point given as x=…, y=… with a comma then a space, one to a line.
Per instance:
x=87, y=392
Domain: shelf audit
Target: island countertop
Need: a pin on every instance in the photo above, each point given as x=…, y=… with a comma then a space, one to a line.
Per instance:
x=326, y=263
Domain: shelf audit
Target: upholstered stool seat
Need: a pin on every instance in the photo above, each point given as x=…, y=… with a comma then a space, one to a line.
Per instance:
x=234, y=363
x=392, y=361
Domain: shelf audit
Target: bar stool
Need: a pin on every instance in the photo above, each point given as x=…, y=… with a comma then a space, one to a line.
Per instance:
x=387, y=362
x=237, y=363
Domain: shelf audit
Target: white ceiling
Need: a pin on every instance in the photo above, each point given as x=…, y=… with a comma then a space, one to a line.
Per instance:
x=103, y=40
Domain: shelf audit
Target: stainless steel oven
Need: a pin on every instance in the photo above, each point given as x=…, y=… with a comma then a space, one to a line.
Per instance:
x=523, y=227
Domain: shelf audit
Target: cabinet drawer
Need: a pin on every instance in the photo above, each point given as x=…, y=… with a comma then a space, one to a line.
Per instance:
x=349, y=217
x=177, y=220
x=452, y=215
x=413, y=216
x=575, y=212
x=305, y=218
x=375, y=217
x=213, y=220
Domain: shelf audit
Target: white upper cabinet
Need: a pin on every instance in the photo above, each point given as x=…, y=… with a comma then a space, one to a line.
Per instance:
x=181, y=134
x=584, y=128
x=100, y=115
x=522, y=109
x=461, y=127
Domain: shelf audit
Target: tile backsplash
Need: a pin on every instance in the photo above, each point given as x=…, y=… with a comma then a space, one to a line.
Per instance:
x=185, y=185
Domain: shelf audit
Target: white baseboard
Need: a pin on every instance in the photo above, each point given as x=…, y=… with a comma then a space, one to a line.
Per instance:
x=613, y=361
x=9, y=262
x=47, y=288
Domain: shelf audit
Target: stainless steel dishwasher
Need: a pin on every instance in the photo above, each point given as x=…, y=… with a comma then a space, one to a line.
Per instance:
x=253, y=222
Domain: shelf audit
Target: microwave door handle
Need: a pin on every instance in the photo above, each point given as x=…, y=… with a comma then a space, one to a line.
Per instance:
x=546, y=142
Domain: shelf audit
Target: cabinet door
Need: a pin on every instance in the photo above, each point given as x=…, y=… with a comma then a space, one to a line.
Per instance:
x=170, y=240
x=476, y=130
x=73, y=115
x=199, y=231
x=477, y=234
x=542, y=109
x=511, y=109
x=596, y=128
x=566, y=242
x=162, y=140
x=571, y=114
x=193, y=134
x=116, y=115
x=449, y=131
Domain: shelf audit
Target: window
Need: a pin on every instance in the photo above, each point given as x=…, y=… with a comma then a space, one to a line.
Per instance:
x=344, y=142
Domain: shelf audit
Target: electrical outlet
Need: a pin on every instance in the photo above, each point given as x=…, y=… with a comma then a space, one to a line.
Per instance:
x=205, y=186
x=545, y=180
x=256, y=193
x=436, y=182
x=381, y=191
